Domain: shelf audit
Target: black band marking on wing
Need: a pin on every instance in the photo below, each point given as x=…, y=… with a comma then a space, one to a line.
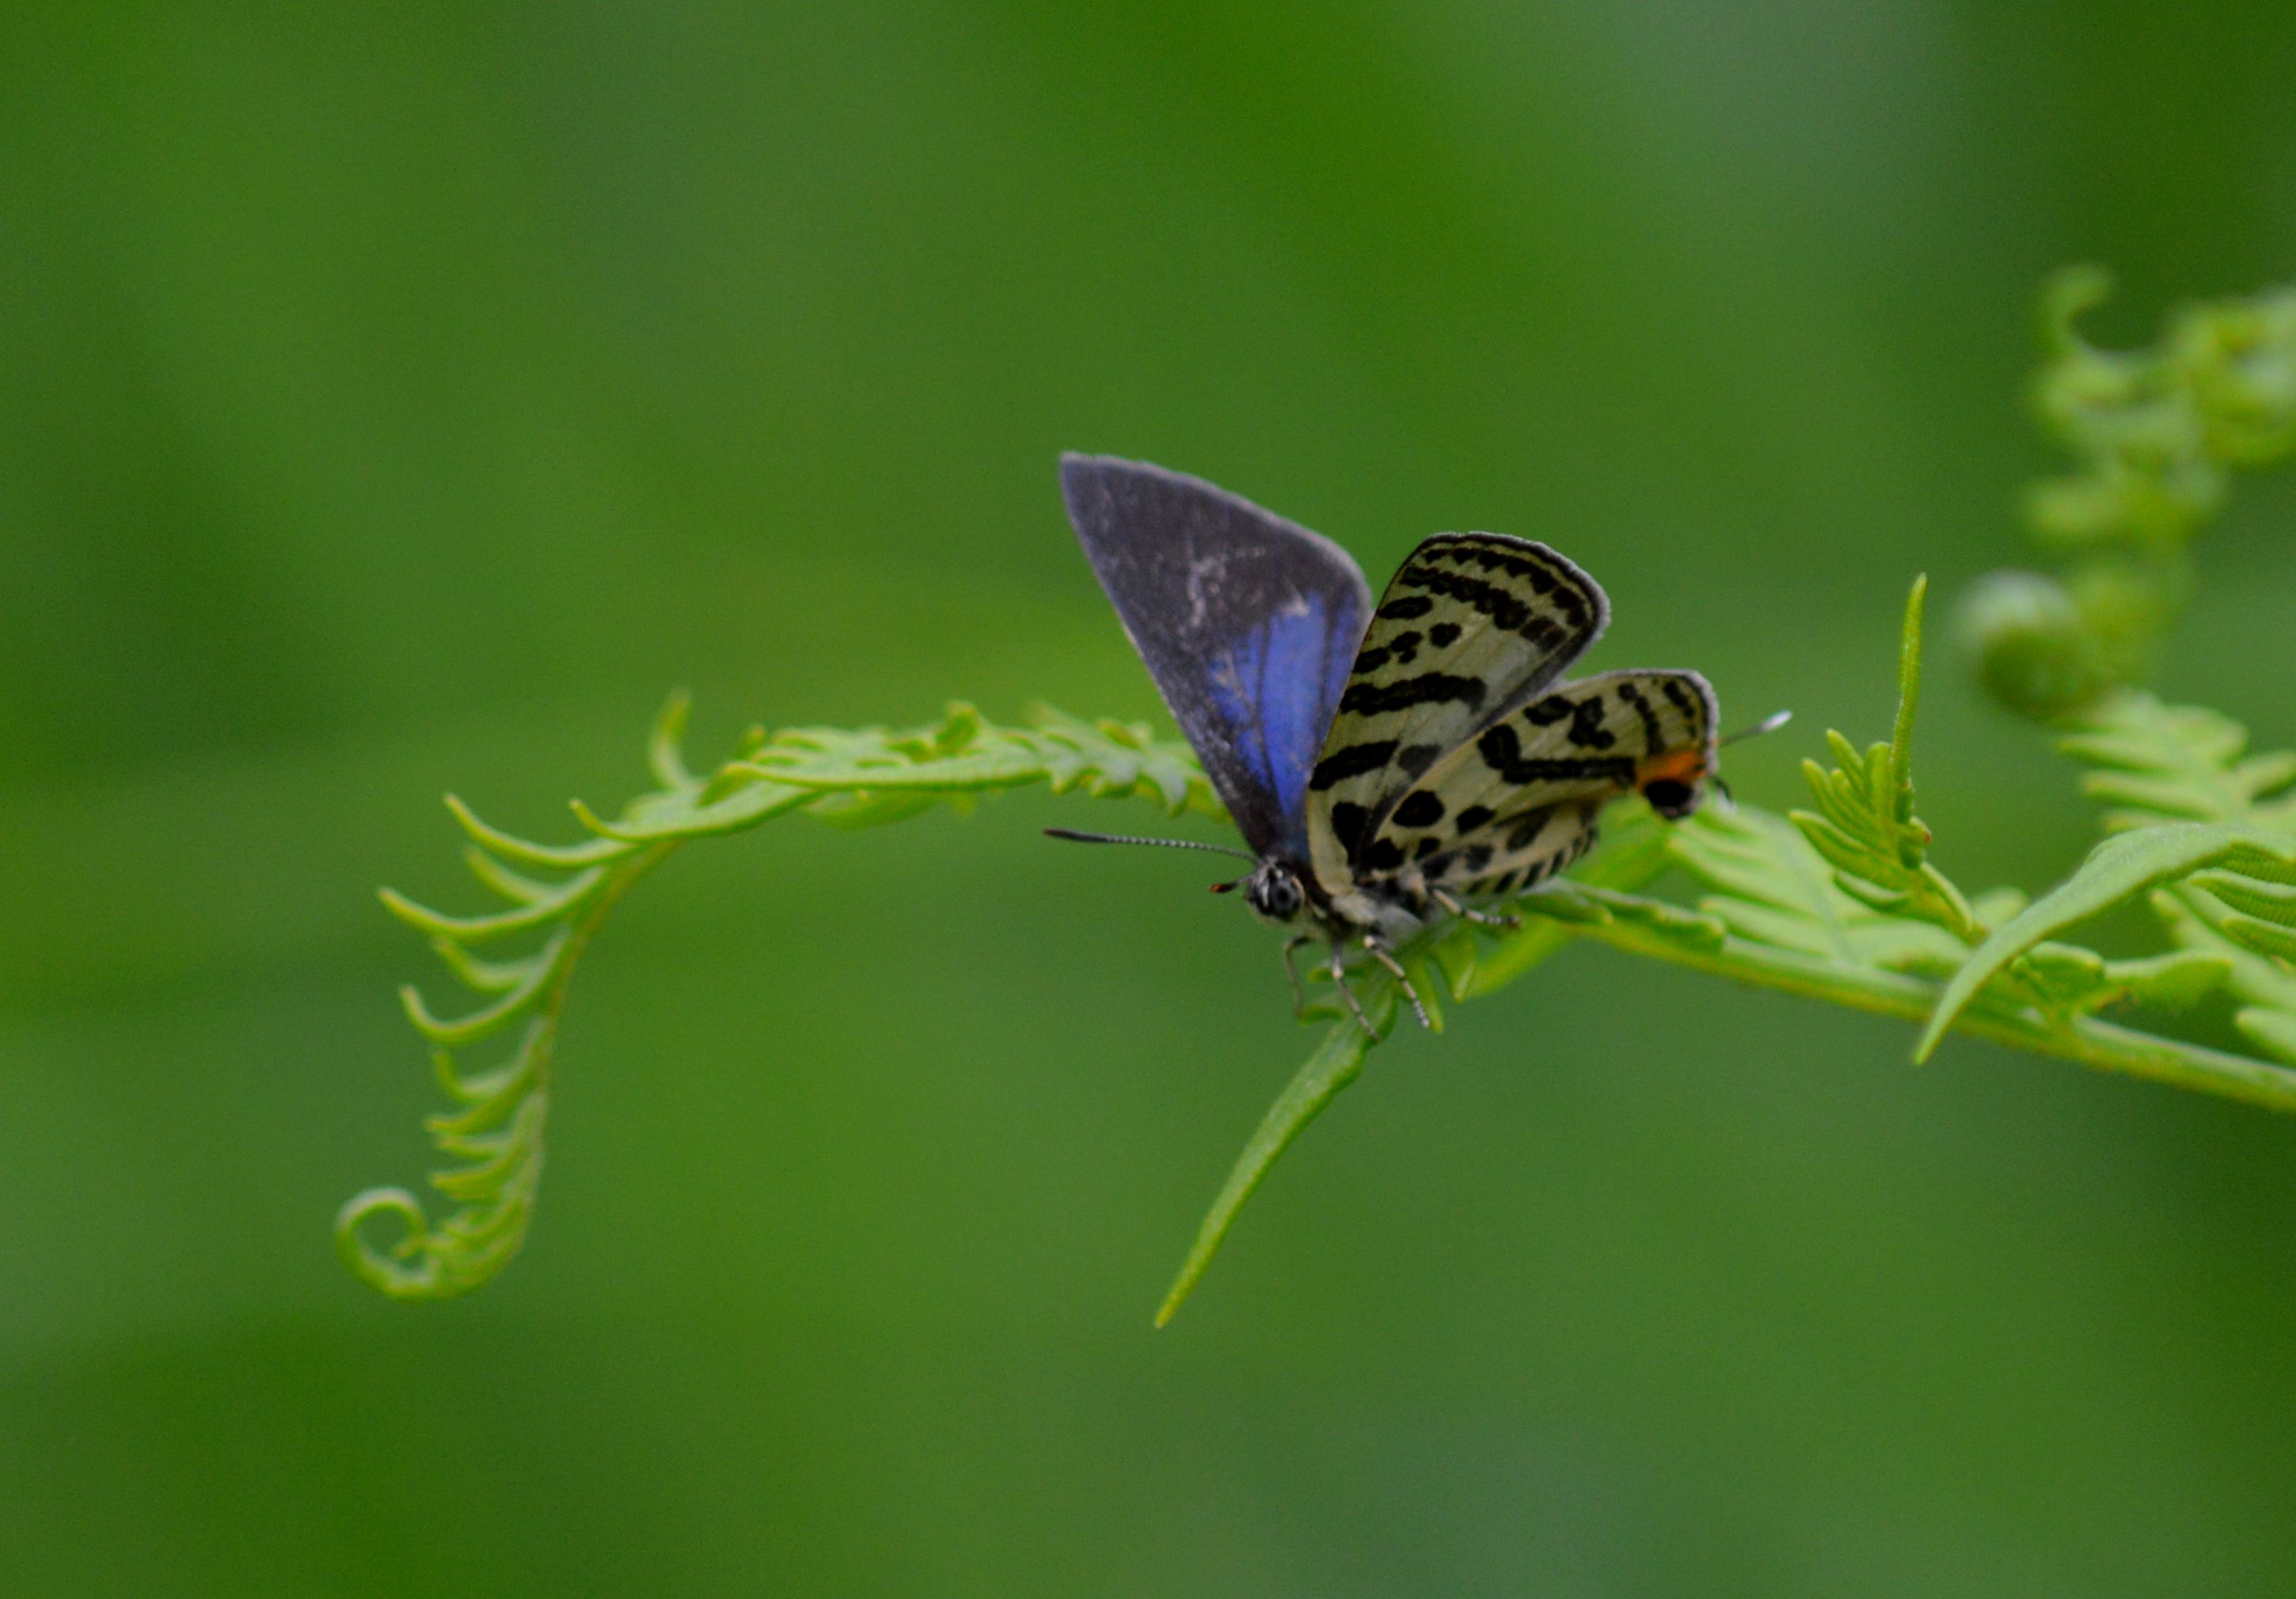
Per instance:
x=1351, y=761
x=1429, y=688
x=1501, y=752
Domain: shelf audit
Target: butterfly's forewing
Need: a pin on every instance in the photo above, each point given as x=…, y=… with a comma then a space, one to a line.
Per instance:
x=1471, y=626
x=1519, y=802
x=1246, y=621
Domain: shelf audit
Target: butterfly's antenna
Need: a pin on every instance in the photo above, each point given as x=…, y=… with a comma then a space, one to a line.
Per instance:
x=1769, y=724
x=1075, y=837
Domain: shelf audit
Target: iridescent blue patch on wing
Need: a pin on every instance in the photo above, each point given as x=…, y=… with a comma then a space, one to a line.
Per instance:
x=1277, y=688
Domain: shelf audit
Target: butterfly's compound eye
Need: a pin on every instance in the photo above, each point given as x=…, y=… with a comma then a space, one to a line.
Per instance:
x=1275, y=892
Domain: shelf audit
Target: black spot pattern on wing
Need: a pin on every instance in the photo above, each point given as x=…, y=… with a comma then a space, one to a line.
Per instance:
x=1385, y=855
x=1527, y=791
x=1522, y=878
x=1679, y=695
x=1347, y=823
x=1501, y=855
x=1401, y=650
x=1448, y=566
x=1654, y=734
x=1499, y=604
x=1586, y=729
x=1525, y=830
x=1419, y=809
x=1471, y=627
x=1669, y=796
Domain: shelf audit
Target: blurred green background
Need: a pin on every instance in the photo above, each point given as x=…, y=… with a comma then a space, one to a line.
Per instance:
x=402, y=398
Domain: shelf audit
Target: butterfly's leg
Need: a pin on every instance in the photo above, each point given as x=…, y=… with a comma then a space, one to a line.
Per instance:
x=1299, y=994
x=1378, y=952
x=1340, y=982
x=1482, y=917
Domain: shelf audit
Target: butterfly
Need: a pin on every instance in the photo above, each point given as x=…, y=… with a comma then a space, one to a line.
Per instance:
x=1387, y=766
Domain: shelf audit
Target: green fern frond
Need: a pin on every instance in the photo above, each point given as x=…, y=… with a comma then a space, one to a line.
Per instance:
x=1865, y=824
x=494, y=1135
x=2159, y=765
x=2154, y=763
x=1842, y=904
x=2120, y=869
x=1766, y=882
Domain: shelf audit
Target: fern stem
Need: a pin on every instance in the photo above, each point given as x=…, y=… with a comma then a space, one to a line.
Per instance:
x=2098, y=1045
x=618, y=882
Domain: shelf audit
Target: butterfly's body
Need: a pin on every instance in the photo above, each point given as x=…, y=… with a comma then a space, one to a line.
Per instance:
x=1386, y=767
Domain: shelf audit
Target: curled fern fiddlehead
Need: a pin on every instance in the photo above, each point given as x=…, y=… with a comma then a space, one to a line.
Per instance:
x=558, y=894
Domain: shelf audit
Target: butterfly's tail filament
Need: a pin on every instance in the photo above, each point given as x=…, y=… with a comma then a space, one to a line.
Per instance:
x=1769, y=724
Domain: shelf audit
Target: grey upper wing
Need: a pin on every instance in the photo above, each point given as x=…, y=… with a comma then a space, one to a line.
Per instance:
x=1247, y=622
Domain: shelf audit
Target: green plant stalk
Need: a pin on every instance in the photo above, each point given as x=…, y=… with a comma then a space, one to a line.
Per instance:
x=1337, y=1062
x=2098, y=1045
x=1909, y=698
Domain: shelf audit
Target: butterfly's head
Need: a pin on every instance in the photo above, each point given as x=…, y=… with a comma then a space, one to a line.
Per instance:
x=1274, y=891
x=1674, y=781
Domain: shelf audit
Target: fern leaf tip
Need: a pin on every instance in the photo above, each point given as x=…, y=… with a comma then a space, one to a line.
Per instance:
x=387, y=1270
x=592, y=821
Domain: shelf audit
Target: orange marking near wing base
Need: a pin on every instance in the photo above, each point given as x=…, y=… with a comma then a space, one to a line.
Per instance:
x=1685, y=765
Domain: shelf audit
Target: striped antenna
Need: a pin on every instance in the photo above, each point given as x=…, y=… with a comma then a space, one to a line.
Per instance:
x=1075, y=837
